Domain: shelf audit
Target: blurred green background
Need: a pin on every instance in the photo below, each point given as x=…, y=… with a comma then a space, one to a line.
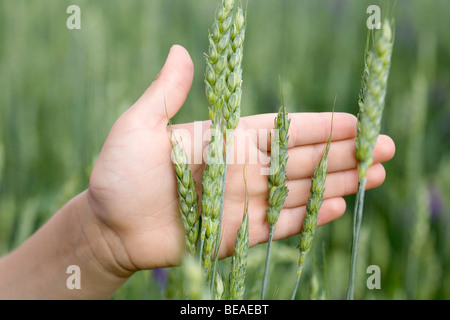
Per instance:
x=61, y=90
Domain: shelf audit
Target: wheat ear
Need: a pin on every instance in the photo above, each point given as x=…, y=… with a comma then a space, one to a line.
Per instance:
x=223, y=80
x=239, y=258
x=188, y=197
x=186, y=193
x=212, y=181
x=315, y=201
x=371, y=104
x=215, y=82
x=277, y=180
x=232, y=98
x=217, y=59
x=233, y=90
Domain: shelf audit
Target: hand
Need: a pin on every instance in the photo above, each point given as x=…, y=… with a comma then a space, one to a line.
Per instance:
x=133, y=186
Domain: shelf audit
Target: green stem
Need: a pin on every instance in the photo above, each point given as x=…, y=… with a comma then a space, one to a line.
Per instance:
x=266, y=269
x=202, y=240
x=357, y=219
x=294, y=293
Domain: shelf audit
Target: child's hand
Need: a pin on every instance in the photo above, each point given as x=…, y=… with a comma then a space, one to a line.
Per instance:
x=133, y=187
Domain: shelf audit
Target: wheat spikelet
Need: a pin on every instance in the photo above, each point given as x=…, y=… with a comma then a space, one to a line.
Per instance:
x=219, y=288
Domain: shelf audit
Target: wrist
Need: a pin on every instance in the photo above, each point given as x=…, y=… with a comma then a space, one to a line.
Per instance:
x=74, y=236
x=87, y=243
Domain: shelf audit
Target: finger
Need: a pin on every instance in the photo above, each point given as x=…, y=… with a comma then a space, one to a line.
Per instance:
x=291, y=219
x=303, y=160
x=305, y=128
x=300, y=168
x=169, y=89
x=337, y=184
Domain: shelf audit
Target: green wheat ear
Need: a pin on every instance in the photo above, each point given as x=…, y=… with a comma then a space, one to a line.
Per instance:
x=279, y=156
x=313, y=206
x=223, y=76
x=212, y=187
x=278, y=190
x=372, y=97
x=239, y=258
x=371, y=106
x=223, y=81
x=186, y=193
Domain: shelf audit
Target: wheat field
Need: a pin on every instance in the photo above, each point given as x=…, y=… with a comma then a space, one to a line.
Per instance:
x=61, y=90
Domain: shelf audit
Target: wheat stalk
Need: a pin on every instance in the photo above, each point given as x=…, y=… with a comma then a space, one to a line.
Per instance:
x=277, y=180
x=371, y=104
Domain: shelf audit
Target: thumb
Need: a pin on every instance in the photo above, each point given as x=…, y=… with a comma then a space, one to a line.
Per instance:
x=169, y=89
